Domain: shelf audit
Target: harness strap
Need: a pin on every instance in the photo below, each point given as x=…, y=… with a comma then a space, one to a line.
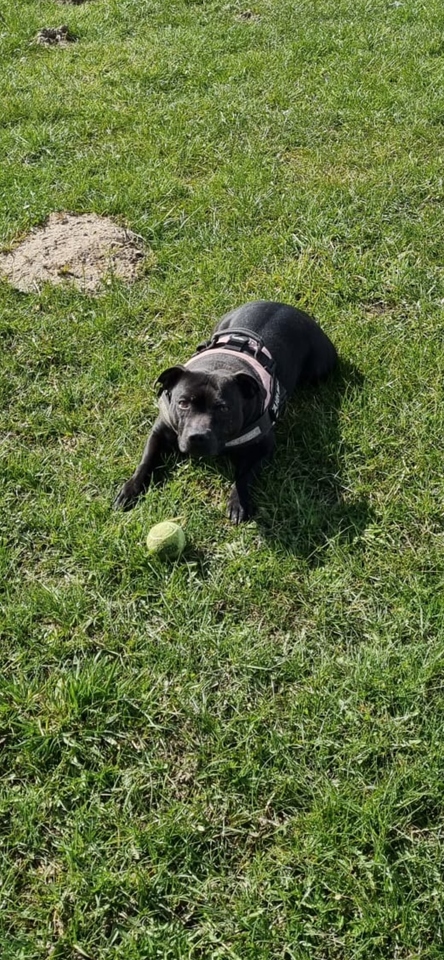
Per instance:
x=259, y=429
x=242, y=341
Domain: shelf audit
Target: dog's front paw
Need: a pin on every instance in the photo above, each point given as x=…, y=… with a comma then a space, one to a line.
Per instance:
x=128, y=496
x=237, y=510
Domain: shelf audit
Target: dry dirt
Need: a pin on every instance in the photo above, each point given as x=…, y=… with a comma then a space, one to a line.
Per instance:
x=55, y=36
x=84, y=251
x=248, y=15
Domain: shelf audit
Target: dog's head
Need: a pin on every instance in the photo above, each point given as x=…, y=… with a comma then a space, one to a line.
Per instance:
x=209, y=409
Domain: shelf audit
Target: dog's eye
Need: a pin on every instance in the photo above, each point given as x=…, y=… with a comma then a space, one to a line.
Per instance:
x=184, y=404
x=221, y=406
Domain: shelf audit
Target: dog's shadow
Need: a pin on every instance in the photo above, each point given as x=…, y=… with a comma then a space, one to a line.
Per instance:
x=300, y=501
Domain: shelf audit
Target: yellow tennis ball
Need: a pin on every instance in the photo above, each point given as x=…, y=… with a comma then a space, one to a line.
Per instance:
x=166, y=540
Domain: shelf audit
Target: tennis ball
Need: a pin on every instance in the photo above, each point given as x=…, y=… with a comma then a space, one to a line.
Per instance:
x=166, y=540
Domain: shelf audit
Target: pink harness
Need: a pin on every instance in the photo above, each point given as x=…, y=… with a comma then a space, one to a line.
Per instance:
x=264, y=375
x=256, y=356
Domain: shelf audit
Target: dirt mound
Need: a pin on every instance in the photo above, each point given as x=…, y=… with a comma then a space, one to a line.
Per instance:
x=51, y=36
x=248, y=15
x=81, y=250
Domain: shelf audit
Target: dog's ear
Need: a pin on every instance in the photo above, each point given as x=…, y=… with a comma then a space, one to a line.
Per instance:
x=170, y=377
x=249, y=386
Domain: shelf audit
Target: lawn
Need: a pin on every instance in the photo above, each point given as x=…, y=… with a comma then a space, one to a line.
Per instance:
x=240, y=755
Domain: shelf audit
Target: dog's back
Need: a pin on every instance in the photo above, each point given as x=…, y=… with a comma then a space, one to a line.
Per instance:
x=302, y=351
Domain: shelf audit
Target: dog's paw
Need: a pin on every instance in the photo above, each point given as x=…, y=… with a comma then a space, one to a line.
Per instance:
x=237, y=512
x=127, y=497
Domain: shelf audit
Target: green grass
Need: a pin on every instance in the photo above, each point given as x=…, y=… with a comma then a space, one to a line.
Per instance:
x=240, y=755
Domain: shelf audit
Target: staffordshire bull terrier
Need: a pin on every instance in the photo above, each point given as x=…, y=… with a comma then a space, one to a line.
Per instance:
x=228, y=396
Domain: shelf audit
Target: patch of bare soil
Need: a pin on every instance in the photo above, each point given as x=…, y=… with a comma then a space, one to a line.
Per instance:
x=83, y=250
x=55, y=36
x=248, y=15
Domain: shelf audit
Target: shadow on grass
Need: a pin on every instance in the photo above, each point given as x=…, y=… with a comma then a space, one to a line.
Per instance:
x=301, y=504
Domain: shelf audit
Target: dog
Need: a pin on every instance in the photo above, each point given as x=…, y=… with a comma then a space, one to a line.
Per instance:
x=227, y=397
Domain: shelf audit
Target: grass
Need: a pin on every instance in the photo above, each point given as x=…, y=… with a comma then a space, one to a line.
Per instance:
x=240, y=755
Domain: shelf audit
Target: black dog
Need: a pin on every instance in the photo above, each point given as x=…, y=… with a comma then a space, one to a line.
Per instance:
x=227, y=398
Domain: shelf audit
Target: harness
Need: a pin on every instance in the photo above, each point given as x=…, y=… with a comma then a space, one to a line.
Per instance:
x=256, y=356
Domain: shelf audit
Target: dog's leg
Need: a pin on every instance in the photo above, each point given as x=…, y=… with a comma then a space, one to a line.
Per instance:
x=159, y=442
x=247, y=463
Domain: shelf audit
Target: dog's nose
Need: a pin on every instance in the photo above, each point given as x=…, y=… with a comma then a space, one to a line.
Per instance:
x=201, y=439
